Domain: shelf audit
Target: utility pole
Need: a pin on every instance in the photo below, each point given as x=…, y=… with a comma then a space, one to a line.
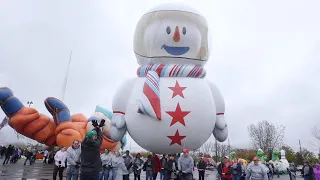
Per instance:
x=300, y=147
x=64, y=86
x=30, y=103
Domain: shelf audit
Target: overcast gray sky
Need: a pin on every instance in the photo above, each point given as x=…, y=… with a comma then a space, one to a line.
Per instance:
x=265, y=57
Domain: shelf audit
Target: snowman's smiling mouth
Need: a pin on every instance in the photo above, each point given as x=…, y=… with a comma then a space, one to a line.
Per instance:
x=175, y=50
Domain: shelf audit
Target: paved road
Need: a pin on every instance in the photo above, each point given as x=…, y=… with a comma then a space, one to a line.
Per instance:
x=40, y=171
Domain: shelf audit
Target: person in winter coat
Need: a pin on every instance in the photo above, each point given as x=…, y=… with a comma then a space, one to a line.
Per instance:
x=148, y=167
x=226, y=170
x=201, y=168
x=236, y=170
x=8, y=153
x=34, y=155
x=277, y=169
x=106, y=159
x=2, y=151
x=15, y=156
x=256, y=171
x=113, y=170
x=292, y=171
x=137, y=166
x=90, y=153
x=185, y=165
x=171, y=168
x=28, y=155
x=73, y=161
x=243, y=171
x=45, y=155
x=119, y=167
x=316, y=172
x=163, y=162
x=219, y=169
x=51, y=158
x=156, y=165
x=128, y=159
x=307, y=171
x=59, y=159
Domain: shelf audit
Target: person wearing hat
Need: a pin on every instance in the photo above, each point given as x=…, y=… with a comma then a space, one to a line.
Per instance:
x=90, y=153
x=185, y=165
x=60, y=158
x=256, y=171
x=226, y=171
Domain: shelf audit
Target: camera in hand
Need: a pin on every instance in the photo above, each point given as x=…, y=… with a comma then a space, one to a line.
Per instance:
x=94, y=123
x=102, y=123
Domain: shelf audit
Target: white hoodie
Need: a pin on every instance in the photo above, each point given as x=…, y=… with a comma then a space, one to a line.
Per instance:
x=60, y=156
x=118, y=163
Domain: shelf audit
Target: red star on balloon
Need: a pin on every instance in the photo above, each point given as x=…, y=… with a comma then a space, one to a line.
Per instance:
x=176, y=138
x=178, y=115
x=177, y=90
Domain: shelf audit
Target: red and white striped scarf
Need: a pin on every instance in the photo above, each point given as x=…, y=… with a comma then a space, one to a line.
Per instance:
x=149, y=104
x=173, y=70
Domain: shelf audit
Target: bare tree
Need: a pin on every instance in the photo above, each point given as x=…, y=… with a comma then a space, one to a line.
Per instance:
x=316, y=133
x=223, y=150
x=208, y=147
x=266, y=135
x=213, y=148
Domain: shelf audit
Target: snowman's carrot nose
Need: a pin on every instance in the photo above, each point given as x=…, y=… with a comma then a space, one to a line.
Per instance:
x=176, y=35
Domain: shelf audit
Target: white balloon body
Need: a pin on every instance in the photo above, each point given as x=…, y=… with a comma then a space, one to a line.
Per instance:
x=283, y=160
x=152, y=134
x=172, y=34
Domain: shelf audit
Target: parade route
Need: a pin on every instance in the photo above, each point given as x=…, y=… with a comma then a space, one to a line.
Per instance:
x=40, y=171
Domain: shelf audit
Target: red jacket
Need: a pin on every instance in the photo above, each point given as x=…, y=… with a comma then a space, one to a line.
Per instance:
x=226, y=171
x=156, y=164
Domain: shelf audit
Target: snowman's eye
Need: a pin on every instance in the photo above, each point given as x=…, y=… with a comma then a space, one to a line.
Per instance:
x=184, y=30
x=168, y=30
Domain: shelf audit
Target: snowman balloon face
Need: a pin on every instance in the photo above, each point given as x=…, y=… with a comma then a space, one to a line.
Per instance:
x=171, y=35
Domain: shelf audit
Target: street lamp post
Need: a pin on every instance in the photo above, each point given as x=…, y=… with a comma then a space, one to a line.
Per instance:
x=30, y=103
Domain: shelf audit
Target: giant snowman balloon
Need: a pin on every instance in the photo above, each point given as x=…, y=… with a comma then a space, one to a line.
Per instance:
x=170, y=106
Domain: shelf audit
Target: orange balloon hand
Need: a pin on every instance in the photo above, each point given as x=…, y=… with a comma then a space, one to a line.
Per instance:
x=27, y=121
x=69, y=128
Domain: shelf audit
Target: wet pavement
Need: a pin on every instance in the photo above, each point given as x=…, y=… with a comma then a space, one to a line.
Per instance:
x=40, y=171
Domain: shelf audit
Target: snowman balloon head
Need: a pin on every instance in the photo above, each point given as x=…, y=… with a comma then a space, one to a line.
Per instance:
x=171, y=34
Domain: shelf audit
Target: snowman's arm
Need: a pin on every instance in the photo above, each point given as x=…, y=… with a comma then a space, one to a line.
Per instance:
x=122, y=96
x=218, y=99
x=220, y=131
x=119, y=106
